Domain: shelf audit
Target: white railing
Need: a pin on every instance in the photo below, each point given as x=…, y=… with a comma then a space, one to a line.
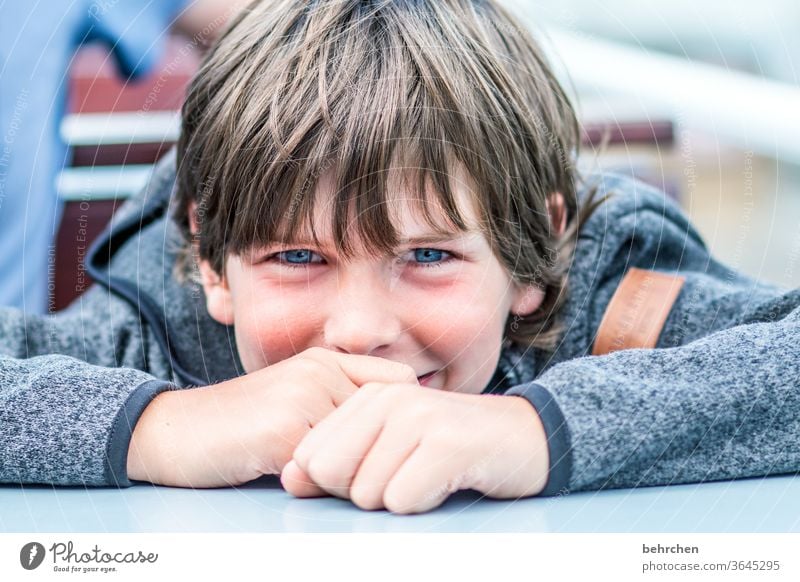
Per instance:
x=737, y=108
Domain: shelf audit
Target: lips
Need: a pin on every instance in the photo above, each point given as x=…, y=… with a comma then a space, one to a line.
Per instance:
x=423, y=380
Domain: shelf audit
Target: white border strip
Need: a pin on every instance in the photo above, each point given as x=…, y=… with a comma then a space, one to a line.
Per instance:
x=400, y=557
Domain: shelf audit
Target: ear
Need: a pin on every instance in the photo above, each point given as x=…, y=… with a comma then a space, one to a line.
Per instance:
x=526, y=299
x=218, y=294
x=558, y=213
x=193, y=217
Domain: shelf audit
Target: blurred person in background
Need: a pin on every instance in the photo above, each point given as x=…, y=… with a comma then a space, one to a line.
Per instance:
x=37, y=43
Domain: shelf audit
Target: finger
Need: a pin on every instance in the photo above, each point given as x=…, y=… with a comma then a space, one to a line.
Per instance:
x=358, y=370
x=297, y=483
x=331, y=453
x=390, y=451
x=363, y=369
x=425, y=480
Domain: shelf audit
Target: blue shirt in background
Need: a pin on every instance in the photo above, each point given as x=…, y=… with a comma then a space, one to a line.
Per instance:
x=37, y=42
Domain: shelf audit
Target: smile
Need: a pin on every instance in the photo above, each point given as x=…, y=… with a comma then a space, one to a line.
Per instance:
x=423, y=380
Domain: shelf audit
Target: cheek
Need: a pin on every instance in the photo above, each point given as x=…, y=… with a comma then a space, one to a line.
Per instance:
x=467, y=312
x=464, y=330
x=272, y=326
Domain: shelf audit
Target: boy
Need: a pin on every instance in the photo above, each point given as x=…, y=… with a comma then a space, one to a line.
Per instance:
x=381, y=266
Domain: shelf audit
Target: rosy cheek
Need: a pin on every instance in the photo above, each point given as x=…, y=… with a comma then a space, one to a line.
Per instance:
x=274, y=329
x=461, y=307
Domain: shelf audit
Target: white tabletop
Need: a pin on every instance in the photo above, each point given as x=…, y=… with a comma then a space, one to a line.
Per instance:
x=750, y=505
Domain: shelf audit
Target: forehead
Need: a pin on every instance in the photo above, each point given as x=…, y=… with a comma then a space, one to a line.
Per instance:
x=404, y=206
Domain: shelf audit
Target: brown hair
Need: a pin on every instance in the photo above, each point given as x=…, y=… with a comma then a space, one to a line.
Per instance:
x=362, y=87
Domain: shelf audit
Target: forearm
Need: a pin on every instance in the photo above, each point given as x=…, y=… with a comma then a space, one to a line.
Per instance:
x=175, y=443
x=213, y=436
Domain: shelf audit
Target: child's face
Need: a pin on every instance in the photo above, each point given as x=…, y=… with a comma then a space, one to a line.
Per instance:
x=438, y=306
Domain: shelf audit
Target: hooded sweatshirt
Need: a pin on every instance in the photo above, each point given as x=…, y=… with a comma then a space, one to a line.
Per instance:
x=717, y=398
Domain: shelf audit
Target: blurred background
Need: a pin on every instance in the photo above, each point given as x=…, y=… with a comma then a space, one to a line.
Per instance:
x=724, y=77
x=700, y=99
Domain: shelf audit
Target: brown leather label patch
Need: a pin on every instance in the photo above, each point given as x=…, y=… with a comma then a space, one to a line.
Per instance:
x=638, y=310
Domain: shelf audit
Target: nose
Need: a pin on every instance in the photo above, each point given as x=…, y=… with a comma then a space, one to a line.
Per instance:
x=363, y=318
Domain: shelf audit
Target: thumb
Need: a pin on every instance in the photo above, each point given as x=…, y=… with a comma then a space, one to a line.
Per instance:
x=297, y=483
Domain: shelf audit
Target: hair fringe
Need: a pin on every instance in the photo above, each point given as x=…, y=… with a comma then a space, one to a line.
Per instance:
x=290, y=93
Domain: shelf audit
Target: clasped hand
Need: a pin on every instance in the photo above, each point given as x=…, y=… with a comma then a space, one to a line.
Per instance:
x=406, y=448
x=354, y=426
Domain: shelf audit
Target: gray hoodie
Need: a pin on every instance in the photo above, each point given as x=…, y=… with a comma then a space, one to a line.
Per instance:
x=718, y=398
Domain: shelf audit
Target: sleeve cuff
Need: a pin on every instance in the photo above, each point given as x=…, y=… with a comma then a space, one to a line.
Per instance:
x=558, y=437
x=122, y=430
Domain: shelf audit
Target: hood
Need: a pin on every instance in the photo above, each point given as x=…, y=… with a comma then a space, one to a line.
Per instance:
x=134, y=258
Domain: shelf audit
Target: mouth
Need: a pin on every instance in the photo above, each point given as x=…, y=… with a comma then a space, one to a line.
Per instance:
x=423, y=380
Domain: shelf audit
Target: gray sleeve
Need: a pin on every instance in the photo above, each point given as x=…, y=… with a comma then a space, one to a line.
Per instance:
x=718, y=398
x=725, y=406
x=66, y=422
x=72, y=387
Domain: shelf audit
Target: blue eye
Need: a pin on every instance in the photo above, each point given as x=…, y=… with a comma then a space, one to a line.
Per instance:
x=431, y=257
x=296, y=257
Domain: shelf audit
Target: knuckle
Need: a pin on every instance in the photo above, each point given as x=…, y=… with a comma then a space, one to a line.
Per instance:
x=315, y=352
x=311, y=368
x=323, y=472
x=301, y=457
x=445, y=438
x=417, y=406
